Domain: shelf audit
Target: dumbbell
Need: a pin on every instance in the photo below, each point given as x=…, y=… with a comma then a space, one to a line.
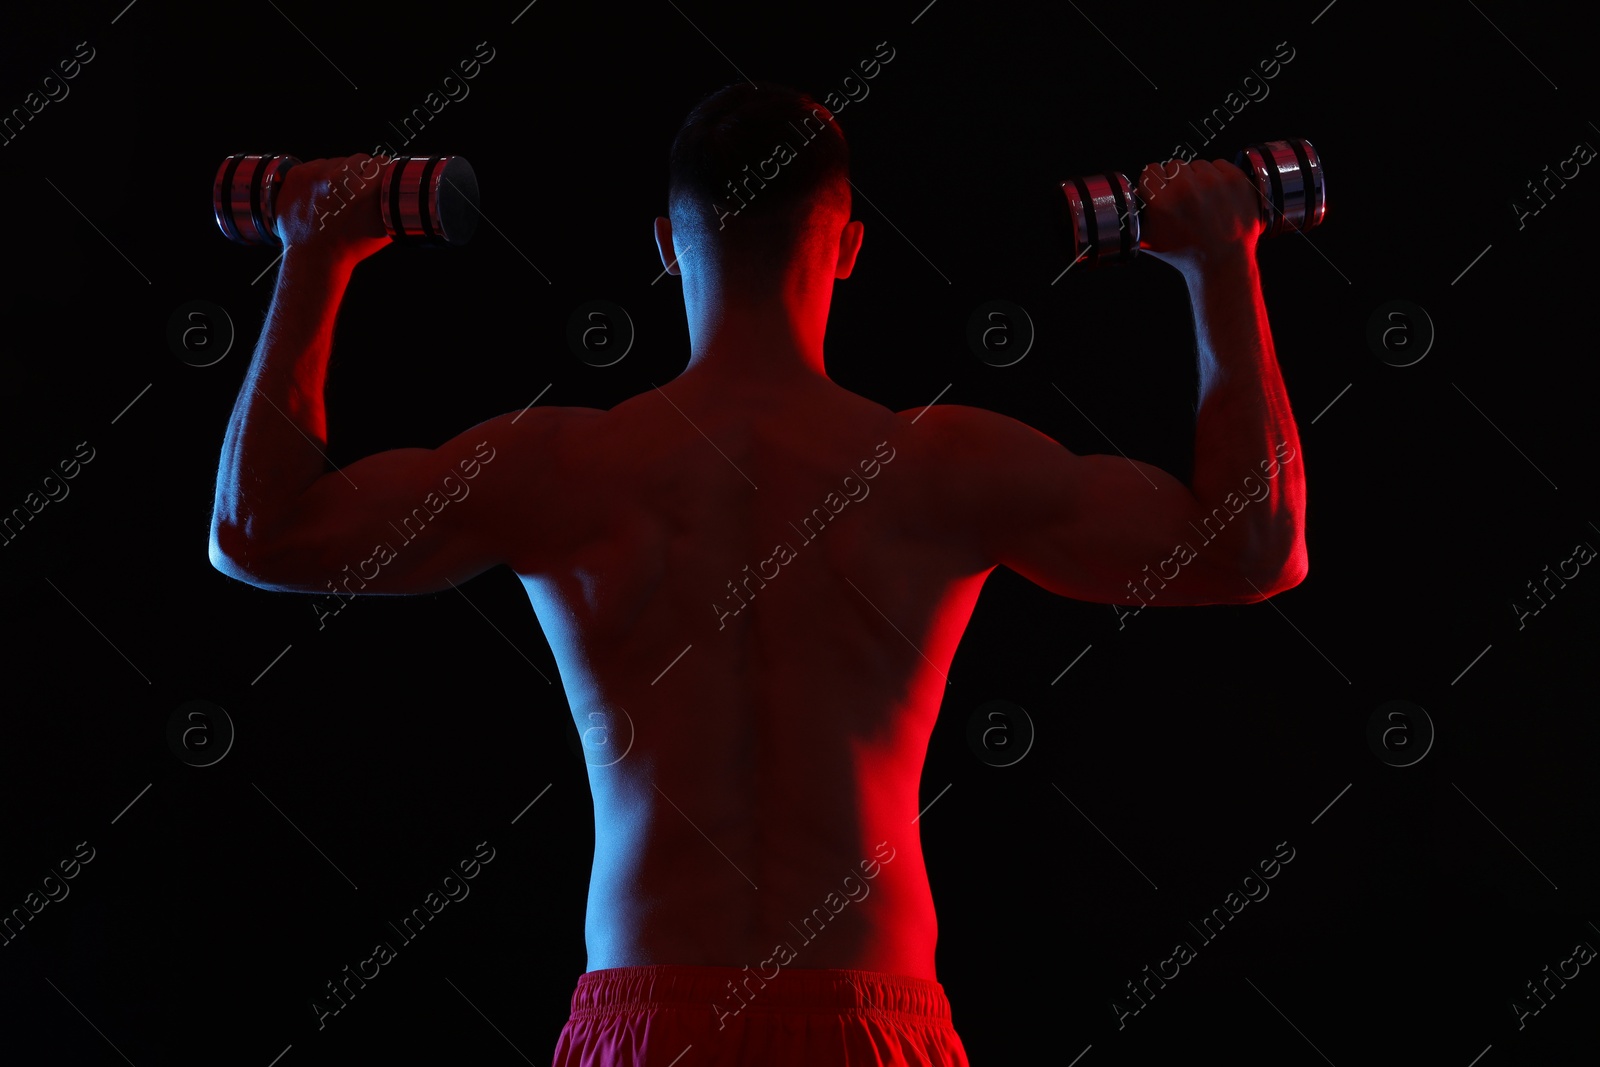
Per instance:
x=1103, y=210
x=427, y=200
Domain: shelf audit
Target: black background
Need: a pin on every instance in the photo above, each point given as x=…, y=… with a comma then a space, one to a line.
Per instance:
x=410, y=729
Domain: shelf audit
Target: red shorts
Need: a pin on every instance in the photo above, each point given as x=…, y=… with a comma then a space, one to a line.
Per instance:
x=667, y=1016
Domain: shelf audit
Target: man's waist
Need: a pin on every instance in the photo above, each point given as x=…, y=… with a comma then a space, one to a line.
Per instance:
x=768, y=986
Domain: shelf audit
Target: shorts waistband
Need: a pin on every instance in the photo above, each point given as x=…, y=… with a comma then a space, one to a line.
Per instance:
x=620, y=990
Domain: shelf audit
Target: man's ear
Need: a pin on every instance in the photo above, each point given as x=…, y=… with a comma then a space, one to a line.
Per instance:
x=669, y=256
x=849, y=246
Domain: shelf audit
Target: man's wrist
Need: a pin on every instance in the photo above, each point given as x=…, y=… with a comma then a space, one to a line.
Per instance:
x=1224, y=264
x=317, y=264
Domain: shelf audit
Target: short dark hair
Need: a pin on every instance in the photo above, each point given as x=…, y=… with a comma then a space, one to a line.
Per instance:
x=751, y=166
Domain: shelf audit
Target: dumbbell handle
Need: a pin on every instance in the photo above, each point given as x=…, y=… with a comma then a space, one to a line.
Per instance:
x=1103, y=211
x=427, y=200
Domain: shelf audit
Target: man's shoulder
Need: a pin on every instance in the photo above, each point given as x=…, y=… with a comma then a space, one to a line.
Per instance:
x=540, y=423
x=532, y=436
x=951, y=430
x=968, y=457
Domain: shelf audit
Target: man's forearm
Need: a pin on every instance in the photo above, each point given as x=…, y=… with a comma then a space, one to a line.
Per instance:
x=278, y=431
x=1244, y=428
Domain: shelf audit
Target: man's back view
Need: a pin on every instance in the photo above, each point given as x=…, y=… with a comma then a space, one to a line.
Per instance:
x=754, y=581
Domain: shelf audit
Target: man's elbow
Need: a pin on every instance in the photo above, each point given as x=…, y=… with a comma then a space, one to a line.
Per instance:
x=233, y=554
x=1287, y=574
x=226, y=556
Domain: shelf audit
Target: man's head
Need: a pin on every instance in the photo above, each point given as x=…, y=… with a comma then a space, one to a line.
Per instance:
x=758, y=189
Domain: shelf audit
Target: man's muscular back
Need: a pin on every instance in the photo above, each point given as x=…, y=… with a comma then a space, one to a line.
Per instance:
x=785, y=538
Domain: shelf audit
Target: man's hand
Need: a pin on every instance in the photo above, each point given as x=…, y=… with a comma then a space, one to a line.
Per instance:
x=330, y=208
x=1208, y=212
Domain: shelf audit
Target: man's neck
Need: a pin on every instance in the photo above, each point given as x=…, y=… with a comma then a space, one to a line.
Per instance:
x=773, y=336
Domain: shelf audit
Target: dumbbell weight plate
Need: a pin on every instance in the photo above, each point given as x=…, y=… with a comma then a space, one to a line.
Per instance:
x=245, y=197
x=1289, y=177
x=1102, y=217
x=430, y=200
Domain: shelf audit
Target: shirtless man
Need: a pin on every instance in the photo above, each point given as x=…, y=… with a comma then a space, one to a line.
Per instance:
x=754, y=581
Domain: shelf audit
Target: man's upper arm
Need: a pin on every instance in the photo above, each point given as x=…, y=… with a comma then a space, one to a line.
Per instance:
x=1079, y=526
x=413, y=520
